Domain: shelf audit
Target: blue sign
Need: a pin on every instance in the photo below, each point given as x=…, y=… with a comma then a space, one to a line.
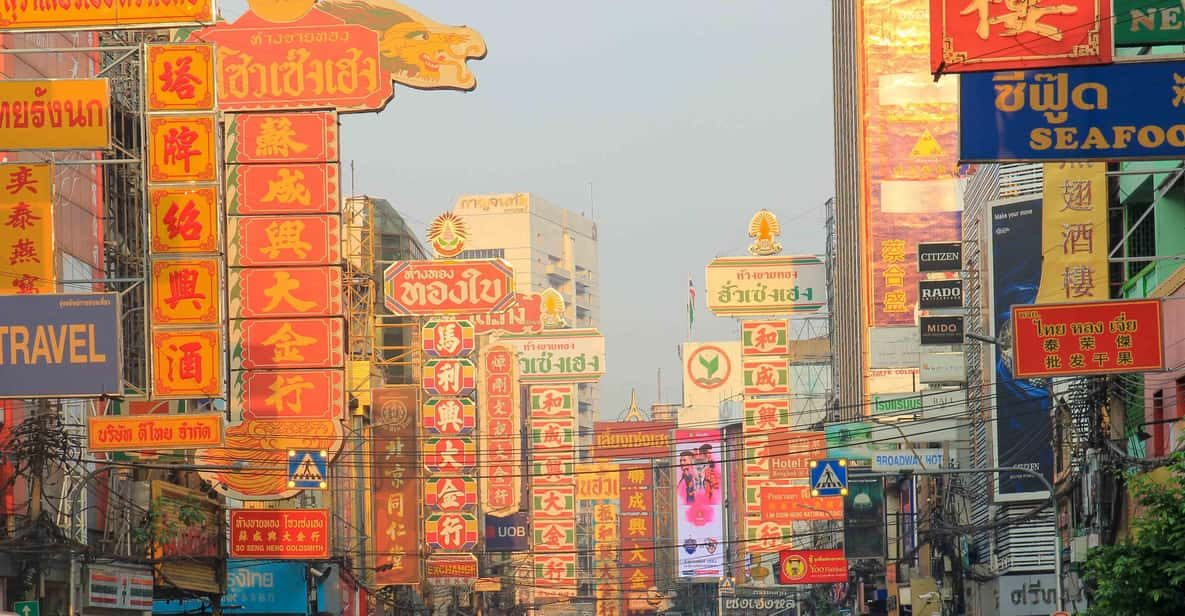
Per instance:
x=507, y=534
x=829, y=477
x=262, y=587
x=307, y=469
x=1113, y=112
x=59, y=346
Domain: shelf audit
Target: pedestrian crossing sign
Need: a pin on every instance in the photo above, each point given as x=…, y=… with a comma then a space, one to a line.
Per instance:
x=829, y=477
x=307, y=469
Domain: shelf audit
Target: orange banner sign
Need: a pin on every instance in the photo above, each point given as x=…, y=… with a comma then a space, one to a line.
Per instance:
x=257, y=241
x=26, y=229
x=154, y=432
x=307, y=188
x=187, y=363
x=317, y=61
x=308, y=137
x=186, y=291
x=289, y=394
x=287, y=343
x=285, y=292
x=55, y=114
x=1088, y=338
x=180, y=77
x=103, y=15
x=184, y=220
x=181, y=148
x=781, y=504
x=279, y=533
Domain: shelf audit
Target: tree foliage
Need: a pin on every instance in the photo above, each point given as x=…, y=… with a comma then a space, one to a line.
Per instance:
x=1145, y=576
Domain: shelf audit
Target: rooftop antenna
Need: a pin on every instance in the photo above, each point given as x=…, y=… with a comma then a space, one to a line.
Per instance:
x=592, y=204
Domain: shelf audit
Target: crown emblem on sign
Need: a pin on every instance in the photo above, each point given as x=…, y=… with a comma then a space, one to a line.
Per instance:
x=551, y=307
x=447, y=234
x=764, y=228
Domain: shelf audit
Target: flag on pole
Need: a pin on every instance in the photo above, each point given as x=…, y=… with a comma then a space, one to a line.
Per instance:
x=690, y=303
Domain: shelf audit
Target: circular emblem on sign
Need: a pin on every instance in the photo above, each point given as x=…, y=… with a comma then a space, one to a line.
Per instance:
x=712, y=545
x=280, y=11
x=447, y=234
x=690, y=545
x=708, y=367
x=793, y=568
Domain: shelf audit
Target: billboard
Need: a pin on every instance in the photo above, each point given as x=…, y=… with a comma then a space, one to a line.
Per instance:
x=993, y=36
x=1088, y=338
x=60, y=346
x=396, y=484
x=909, y=153
x=56, y=114
x=1023, y=431
x=266, y=588
x=27, y=228
x=441, y=287
x=864, y=518
x=765, y=286
x=507, y=533
x=564, y=356
x=153, y=432
x=1074, y=233
x=281, y=534
x=1118, y=112
x=812, y=567
x=632, y=439
x=699, y=498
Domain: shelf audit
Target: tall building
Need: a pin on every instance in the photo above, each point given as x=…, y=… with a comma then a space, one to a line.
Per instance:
x=549, y=247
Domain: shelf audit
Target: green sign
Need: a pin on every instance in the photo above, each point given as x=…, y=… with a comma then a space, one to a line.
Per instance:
x=1149, y=22
x=27, y=608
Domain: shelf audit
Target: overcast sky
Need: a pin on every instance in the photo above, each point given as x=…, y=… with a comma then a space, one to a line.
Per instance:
x=687, y=117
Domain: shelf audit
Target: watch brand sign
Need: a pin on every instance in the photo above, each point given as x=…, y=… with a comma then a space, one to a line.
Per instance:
x=942, y=330
x=940, y=257
x=940, y=294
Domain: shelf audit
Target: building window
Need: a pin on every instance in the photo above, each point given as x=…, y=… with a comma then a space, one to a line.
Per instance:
x=1142, y=241
x=483, y=253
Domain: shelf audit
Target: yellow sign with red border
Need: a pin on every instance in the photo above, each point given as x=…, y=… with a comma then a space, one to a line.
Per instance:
x=153, y=432
x=186, y=291
x=106, y=15
x=55, y=114
x=187, y=363
x=181, y=148
x=184, y=220
x=180, y=77
x=26, y=229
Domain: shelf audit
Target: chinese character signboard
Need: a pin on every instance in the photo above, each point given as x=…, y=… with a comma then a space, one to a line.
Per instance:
x=449, y=416
x=448, y=338
x=636, y=529
x=187, y=363
x=184, y=220
x=981, y=35
x=567, y=356
x=104, y=15
x=1088, y=338
x=289, y=394
x=89, y=366
x=467, y=287
x=396, y=484
x=282, y=138
x=1074, y=233
x=756, y=286
x=501, y=431
x=282, y=534
x=261, y=241
x=451, y=494
x=294, y=188
x=1128, y=112
x=766, y=377
x=180, y=77
x=186, y=291
x=449, y=377
x=181, y=148
x=55, y=114
x=451, y=532
x=285, y=292
x=553, y=452
x=26, y=229
x=765, y=337
x=287, y=343
x=132, y=433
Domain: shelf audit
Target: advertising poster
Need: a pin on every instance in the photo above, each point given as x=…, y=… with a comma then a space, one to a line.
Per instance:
x=699, y=498
x=1023, y=430
x=864, y=518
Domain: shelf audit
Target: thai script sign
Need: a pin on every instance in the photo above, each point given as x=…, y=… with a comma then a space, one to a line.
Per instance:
x=426, y=288
x=993, y=36
x=1117, y=112
x=266, y=588
x=765, y=337
x=632, y=439
x=60, y=346
x=285, y=292
x=524, y=316
x=282, y=138
x=751, y=286
x=1148, y=22
x=287, y=343
x=188, y=547
x=55, y=114
x=782, y=504
x=26, y=228
x=1035, y=594
x=180, y=77
x=451, y=569
x=260, y=241
x=318, y=61
x=812, y=567
x=569, y=356
x=1088, y=338
x=596, y=482
x=1073, y=228
x=289, y=188
x=118, y=14
x=132, y=433
x=501, y=431
x=396, y=485
x=284, y=534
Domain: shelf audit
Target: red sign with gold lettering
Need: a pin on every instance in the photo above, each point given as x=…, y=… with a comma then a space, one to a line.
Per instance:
x=396, y=484
x=184, y=220
x=287, y=343
x=300, y=137
x=180, y=77
x=987, y=35
x=1088, y=338
x=181, y=148
x=307, y=188
x=186, y=291
x=289, y=394
x=260, y=241
x=187, y=363
x=316, y=62
x=468, y=286
x=285, y=292
x=279, y=533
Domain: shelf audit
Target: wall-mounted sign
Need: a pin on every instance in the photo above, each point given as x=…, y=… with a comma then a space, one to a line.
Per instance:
x=907, y=459
x=567, y=356
x=426, y=288
x=507, y=534
x=765, y=337
x=940, y=294
x=941, y=329
x=755, y=286
x=766, y=377
x=282, y=534
x=264, y=293
x=813, y=567
x=449, y=377
x=262, y=241
x=1088, y=338
x=940, y=257
x=524, y=316
x=153, y=432
x=632, y=439
x=282, y=138
x=943, y=367
x=184, y=219
x=27, y=228
x=288, y=188
x=181, y=148
x=55, y=114
x=119, y=587
x=180, y=77
x=454, y=532
x=451, y=569
x=1148, y=22
x=448, y=338
x=287, y=343
x=104, y=15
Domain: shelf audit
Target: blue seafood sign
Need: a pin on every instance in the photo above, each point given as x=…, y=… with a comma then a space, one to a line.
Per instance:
x=1115, y=112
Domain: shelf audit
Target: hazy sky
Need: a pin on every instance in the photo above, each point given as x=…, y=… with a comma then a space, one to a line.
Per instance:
x=687, y=117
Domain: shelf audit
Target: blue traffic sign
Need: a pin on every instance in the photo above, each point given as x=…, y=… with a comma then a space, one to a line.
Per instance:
x=307, y=469
x=829, y=477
